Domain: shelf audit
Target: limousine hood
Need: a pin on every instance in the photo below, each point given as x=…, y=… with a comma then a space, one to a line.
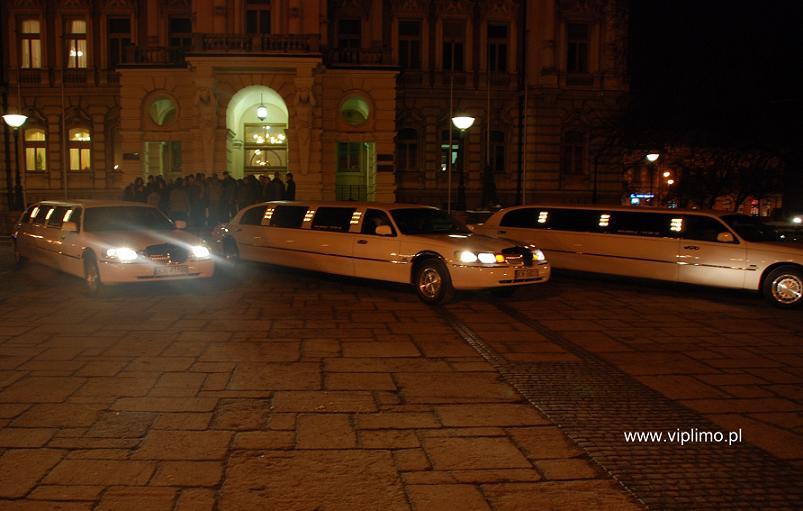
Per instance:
x=138, y=240
x=475, y=242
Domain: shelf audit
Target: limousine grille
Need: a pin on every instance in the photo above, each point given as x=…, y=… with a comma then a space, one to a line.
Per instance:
x=167, y=253
x=518, y=256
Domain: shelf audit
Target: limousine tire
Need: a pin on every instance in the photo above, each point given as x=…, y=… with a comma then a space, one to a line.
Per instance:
x=94, y=286
x=432, y=282
x=784, y=286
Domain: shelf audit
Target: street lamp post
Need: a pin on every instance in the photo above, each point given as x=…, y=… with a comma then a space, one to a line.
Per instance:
x=462, y=123
x=15, y=121
x=651, y=159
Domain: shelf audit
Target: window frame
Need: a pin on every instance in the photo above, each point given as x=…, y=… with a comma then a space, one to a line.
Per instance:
x=72, y=43
x=84, y=148
x=497, y=47
x=286, y=213
x=407, y=150
x=574, y=152
x=38, y=147
x=117, y=42
x=26, y=40
x=263, y=17
x=578, y=49
x=454, y=46
x=410, y=45
x=325, y=216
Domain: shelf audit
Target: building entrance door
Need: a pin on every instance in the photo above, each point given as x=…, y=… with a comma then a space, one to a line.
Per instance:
x=356, y=171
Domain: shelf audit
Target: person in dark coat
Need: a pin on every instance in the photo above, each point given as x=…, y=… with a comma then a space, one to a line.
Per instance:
x=290, y=188
x=276, y=188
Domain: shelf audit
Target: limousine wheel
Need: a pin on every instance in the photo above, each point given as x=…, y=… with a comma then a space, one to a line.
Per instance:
x=784, y=286
x=94, y=286
x=432, y=282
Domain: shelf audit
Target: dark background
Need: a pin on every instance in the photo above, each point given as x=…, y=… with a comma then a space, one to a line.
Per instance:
x=717, y=71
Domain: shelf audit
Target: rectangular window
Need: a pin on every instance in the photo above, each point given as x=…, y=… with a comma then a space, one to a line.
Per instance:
x=35, y=149
x=454, y=36
x=291, y=217
x=76, y=44
x=57, y=217
x=179, y=32
x=410, y=44
x=654, y=225
x=574, y=153
x=445, y=150
x=497, y=151
x=349, y=34
x=257, y=17
x=119, y=34
x=523, y=218
x=253, y=216
x=30, y=44
x=702, y=228
x=407, y=150
x=348, y=156
x=332, y=219
x=577, y=54
x=577, y=220
x=497, y=48
x=79, y=159
x=41, y=215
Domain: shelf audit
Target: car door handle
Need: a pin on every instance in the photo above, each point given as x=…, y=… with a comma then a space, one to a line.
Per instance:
x=501, y=232
x=362, y=242
x=691, y=247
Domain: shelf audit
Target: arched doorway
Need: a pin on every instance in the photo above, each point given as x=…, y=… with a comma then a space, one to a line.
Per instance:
x=257, y=120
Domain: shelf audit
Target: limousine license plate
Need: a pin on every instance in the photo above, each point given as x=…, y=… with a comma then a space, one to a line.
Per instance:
x=164, y=271
x=525, y=273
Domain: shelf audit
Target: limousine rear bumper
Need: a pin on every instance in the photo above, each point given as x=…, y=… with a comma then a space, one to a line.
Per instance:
x=118, y=273
x=478, y=277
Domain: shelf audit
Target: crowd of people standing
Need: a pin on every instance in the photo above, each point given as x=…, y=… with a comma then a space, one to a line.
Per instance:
x=205, y=201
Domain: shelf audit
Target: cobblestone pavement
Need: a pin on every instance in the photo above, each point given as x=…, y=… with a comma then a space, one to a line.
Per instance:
x=294, y=391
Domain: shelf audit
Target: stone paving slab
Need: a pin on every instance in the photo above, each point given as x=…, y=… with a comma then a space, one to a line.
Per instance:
x=288, y=390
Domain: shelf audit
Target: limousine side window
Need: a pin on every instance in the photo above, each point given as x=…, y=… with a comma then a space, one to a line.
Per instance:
x=74, y=215
x=654, y=225
x=703, y=228
x=579, y=220
x=253, y=216
x=26, y=217
x=41, y=215
x=373, y=219
x=332, y=219
x=524, y=218
x=288, y=216
x=57, y=217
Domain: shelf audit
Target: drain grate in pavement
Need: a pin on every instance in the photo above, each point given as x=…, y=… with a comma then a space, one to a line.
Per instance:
x=594, y=403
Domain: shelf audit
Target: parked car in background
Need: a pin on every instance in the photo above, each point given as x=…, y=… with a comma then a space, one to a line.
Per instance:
x=696, y=247
x=109, y=242
x=411, y=244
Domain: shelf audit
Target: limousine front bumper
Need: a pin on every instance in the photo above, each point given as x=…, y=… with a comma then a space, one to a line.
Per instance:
x=470, y=277
x=113, y=272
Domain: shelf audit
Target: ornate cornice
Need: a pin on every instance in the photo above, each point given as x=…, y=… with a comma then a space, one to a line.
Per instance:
x=500, y=8
x=416, y=8
x=27, y=4
x=360, y=8
x=455, y=7
x=588, y=9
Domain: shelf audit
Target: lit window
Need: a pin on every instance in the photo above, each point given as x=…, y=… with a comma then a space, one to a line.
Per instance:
x=80, y=144
x=30, y=44
x=542, y=216
x=604, y=220
x=76, y=44
x=355, y=110
x=35, y=150
x=676, y=225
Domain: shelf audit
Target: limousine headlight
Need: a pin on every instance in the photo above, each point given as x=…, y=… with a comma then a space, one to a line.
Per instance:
x=122, y=254
x=200, y=252
x=467, y=256
x=538, y=255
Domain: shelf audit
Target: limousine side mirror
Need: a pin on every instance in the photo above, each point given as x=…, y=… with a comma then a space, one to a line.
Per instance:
x=69, y=227
x=725, y=237
x=383, y=230
x=180, y=224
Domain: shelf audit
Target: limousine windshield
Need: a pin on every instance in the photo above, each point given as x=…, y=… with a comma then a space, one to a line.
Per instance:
x=414, y=221
x=130, y=218
x=751, y=228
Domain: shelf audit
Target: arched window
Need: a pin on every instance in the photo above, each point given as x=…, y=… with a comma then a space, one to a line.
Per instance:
x=407, y=149
x=80, y=145
x=573, y=153
x=162, y=111
x=355, y=110
x=35, y=150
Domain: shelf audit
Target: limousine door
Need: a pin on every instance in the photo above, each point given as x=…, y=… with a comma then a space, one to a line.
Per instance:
x=375, y=256
x=704, y=260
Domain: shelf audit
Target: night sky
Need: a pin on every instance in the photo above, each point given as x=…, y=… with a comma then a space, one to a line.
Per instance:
x=718, y=71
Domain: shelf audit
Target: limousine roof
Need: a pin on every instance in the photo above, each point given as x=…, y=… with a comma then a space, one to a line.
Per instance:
x=610, y=207
x=91, y=203
x=347, y=204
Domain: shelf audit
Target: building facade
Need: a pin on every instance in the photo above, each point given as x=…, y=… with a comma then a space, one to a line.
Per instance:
x=355, y=97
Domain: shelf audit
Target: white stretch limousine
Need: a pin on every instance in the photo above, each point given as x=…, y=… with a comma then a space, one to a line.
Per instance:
x=109, y=242
x=697, y=247
x=411, y=244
